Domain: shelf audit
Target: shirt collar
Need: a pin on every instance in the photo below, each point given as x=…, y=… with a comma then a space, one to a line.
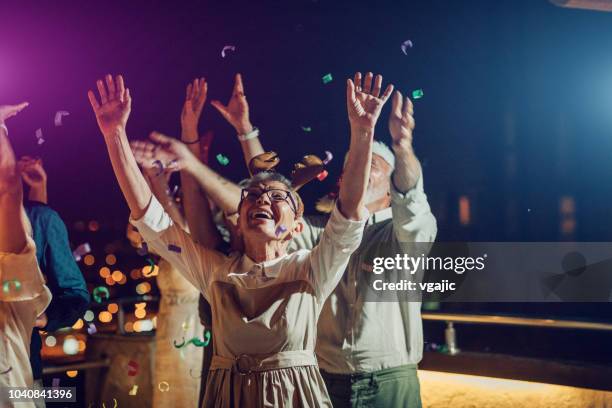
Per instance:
x=380, y=216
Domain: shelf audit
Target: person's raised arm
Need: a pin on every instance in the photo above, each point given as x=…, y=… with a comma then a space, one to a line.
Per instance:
x=401, y=124
x=237, y=114
x=112, y=113
x=34, y=175
x=175, y=153
x=13, y=221
x=195, y=202
x=364, y=105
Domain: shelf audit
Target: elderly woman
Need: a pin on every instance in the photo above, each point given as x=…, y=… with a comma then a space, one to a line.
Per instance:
x=265, y=303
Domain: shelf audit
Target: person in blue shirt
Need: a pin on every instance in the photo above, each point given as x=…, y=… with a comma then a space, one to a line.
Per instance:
x=64, y=278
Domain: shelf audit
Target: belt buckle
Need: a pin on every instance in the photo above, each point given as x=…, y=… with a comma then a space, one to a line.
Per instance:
x=238, y=366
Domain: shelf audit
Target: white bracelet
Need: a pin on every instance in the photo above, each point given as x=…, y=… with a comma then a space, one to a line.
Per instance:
x=3, y=126
x=251, y=135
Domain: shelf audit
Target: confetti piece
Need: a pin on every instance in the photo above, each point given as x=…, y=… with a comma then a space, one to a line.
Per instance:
x=132, y=368
x=227, y=48
x=7, y=371
x=306, y=128
x=55, y=383
x=328, y=157
x=206, y=337
x=80, y=251
x=222, y=159
x=39, y=137
x=281, y=229
x=58, y=117
x=100, y=290
x=160, y=167
x=174, y=248
x=195, y=341
x=92, y=329
x=152, y=271
x=405, y=45
x=143, y=250
x=163, y=386
x=327, y=78
x=134, y=390
x=322, y=175
x=6, y=285
x=178, y=346
x=417, y=94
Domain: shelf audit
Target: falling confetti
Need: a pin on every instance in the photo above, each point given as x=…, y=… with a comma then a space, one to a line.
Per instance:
x=227, y=48
x=143, y=250
x=134, y=390
x=322, y=175
x=163, y=386
x=328, y=157
x=132, y=368
x=55, y=383
x=58, y=117
x=195, y=341
x=405, y=45
x=39, y=137
x=306, y=128
x=417, y=94
x=81, y=250
x=281, y=229
x=98, y=291
x=152, y=271
x=6, y=285
x=222, y=159
x=206, y=337
x=327, y=78
x=174, y=248
x=92, y=329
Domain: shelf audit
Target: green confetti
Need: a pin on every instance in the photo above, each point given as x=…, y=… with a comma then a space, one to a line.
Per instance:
x=222, y=159
x=417, y=94
x=327, y=78
x=306, y=128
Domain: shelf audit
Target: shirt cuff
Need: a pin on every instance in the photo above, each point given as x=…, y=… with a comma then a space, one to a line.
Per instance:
x=154, y=221
x=21, y=279
x=410, y=196
x=343, y=231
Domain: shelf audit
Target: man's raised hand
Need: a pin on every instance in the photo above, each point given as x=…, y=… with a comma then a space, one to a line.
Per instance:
x=195, y=98
x=237, y=110
x=364, y=102
x=401, y=121
x=115, y=104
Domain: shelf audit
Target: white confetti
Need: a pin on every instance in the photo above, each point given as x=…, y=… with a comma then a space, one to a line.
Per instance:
x=39, y=136
x=58, y=117
x=405, y=45
x=227, y=48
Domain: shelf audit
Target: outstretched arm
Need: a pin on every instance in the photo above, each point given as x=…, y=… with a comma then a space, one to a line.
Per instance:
x=13, y=222
x=195, y=201
x=112, y=113
x=237, y=114
x=401, y=124
x=364, y=105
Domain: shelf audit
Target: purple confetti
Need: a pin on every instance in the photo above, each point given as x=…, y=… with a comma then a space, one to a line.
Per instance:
x=227, y=48
x=92, y=329
x=174, y=248
x=328, y=157
x=281, y=229
x=39, y=136
x=80, y=251
x=405, y=45
x=143, y=250
x=58, y=117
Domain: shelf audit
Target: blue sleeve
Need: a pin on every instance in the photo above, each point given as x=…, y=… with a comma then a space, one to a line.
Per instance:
x=64, y=278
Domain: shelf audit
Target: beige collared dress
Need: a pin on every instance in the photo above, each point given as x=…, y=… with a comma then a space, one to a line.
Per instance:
x=264, y=314
x=20, y=304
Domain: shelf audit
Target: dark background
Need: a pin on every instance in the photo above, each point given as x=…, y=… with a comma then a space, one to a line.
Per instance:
x=517, y=111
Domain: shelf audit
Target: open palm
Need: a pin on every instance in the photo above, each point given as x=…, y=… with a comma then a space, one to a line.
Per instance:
x=364, y=104
x=401, y=120
x=113, y=110
x=237, y=110
x=195, y=97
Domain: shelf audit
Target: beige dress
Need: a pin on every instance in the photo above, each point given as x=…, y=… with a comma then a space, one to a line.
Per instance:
x=264, y=314
x=18, y=311
x=178, y=321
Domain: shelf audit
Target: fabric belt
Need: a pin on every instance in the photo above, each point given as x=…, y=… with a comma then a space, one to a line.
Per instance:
x=246, y=363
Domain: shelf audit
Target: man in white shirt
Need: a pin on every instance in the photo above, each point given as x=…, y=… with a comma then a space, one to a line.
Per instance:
x=368, y=351
x=23, y=296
